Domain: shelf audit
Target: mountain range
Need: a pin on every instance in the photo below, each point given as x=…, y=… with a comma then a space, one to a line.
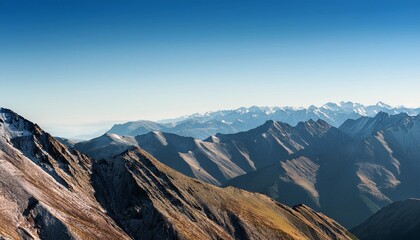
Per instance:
x=363, y=165
x=218, y=158
x=201, y=126
x=49, y=191
x=367, y=164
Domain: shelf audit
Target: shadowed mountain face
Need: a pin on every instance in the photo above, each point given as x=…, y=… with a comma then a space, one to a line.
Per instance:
x=221, y=157
x=201, y=126
x=321, y=176
x=387, y=155
x=51, y=192
x=349, y=176
x=399, y=220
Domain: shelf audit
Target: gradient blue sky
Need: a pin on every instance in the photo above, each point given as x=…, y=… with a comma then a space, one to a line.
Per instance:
x=72, y=63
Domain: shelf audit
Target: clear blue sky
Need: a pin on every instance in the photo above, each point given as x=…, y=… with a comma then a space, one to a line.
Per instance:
x=66, y=63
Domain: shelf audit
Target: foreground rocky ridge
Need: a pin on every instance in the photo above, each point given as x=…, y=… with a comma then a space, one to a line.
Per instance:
x=51, y=192
x=45, y=188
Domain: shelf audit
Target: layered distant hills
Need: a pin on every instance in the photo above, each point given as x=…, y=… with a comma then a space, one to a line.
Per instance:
x=201, y=126
x=49, y=191
x=349, y=172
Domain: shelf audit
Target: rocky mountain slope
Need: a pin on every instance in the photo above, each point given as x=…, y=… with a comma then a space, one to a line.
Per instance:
x=201, y=126
x=387, y=155
x=371, y=164
x=45, y=188
x=51, y=192
x=399, y=220
x=321, y=176
x=165, y=204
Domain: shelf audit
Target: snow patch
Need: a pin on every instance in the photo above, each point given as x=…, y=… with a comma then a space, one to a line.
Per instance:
x=160, y=137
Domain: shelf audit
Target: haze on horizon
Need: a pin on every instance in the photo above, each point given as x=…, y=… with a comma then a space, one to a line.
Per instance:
x=76, y=63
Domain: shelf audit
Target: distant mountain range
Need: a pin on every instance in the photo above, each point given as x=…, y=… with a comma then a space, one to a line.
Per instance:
x=218, y=158
x=49, y=191
x=201, y=126
x=363, y=165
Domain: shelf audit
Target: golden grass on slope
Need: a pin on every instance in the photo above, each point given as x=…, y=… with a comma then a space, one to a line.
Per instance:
x=258, y=215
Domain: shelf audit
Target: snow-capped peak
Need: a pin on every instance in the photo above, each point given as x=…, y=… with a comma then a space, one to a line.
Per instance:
x=384, y=105
x=12, y=125
x=329, y=106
